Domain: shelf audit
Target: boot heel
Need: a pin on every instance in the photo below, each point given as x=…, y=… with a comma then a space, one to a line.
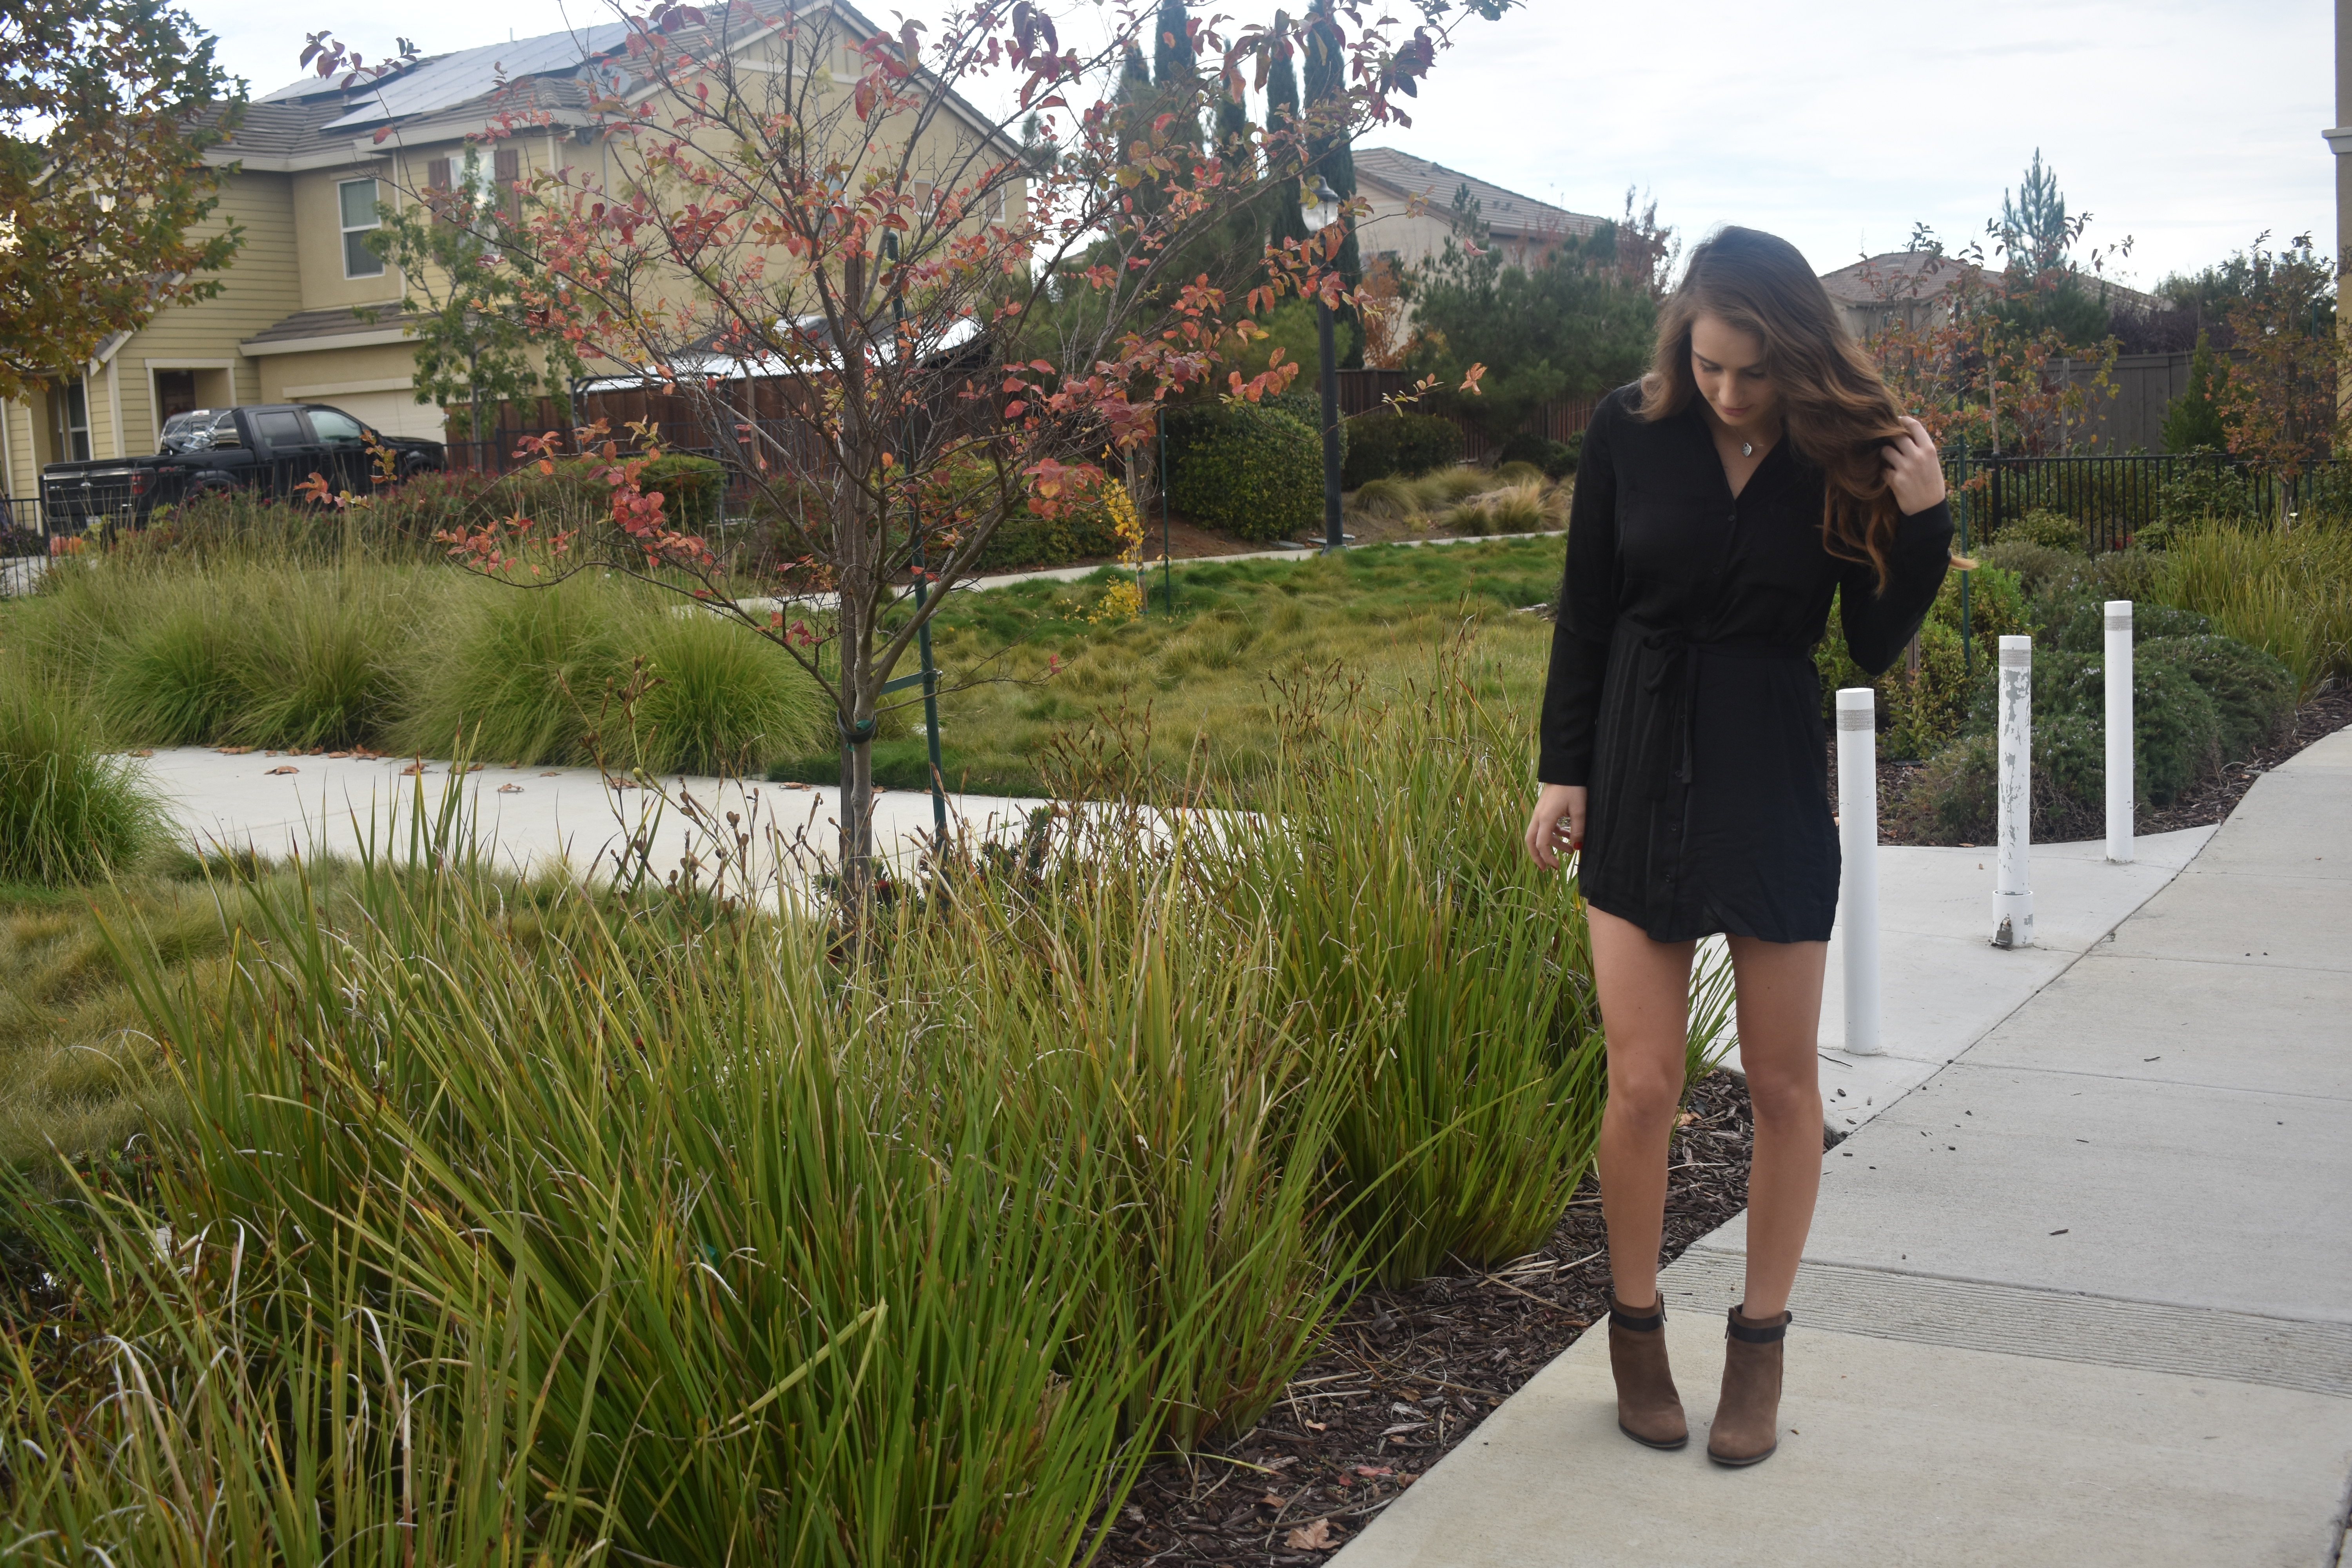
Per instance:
x=1648, y=1410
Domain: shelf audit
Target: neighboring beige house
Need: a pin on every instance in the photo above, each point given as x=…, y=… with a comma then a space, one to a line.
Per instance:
x=1909, y=288
x=309, y=176
x=1413, y=211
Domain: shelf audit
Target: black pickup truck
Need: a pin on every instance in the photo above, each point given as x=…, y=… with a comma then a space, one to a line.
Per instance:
x=270, y=447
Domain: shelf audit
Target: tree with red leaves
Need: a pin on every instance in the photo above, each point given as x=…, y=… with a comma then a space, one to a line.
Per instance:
x=829, y=218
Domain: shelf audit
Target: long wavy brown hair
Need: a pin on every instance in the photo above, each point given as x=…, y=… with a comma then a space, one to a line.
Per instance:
x=1834, y=408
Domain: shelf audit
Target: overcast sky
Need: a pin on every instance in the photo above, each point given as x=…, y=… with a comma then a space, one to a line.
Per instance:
x=2189, y=125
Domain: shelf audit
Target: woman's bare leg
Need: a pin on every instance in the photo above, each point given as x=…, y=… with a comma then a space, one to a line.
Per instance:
x=1779, y=1009
x=1644, y=990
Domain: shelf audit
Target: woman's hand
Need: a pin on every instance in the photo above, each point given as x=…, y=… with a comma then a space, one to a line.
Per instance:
x=1913, y=471
x=1557, y=825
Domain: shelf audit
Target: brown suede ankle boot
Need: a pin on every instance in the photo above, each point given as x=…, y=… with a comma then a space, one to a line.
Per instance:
x=1747, y=1417
x=1648, y=1409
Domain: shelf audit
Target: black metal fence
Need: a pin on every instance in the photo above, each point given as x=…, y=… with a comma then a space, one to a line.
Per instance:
x=2115, y=497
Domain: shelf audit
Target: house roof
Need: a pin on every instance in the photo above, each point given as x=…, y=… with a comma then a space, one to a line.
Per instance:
x=317, y=118
x=1893, y=274
x=330, y=329
x=1504, y=211
x=1901, y=275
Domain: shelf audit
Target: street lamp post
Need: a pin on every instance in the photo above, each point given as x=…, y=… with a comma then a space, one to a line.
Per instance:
x=1321, y=206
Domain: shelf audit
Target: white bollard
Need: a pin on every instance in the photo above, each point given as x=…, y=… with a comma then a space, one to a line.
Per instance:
x=2119, y=731
x=1857, y=754
x=2012, y=895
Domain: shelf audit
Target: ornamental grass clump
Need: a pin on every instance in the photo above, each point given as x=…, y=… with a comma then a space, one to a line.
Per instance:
x=654, y=1236
x=2287, y=592
x=69, y=811
x=1411, y=923
x=550, y=1222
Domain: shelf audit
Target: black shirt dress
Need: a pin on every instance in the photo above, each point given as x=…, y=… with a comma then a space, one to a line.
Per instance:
x=1682, y=691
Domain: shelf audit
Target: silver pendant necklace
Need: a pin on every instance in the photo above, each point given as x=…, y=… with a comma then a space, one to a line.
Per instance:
x=1746, y=448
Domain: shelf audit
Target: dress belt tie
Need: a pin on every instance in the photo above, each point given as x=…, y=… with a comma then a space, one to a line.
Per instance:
x=1669, y=669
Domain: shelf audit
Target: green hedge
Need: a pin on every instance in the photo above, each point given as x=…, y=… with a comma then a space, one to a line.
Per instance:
x=1252, y=470
x=1558, y=459
x=693, y=490
x=1394, y=443
x=1307, y=407
x=2198, y=700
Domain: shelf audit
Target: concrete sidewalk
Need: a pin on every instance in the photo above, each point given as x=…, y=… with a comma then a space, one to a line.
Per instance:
x=531, y=817
x=2082, y=1296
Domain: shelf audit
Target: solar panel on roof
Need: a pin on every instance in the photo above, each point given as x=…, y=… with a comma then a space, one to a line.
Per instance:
x=468, y=74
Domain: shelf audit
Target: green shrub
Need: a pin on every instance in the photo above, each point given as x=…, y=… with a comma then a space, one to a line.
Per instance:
x=1919, y=715
x=2252, y=693
x=2176, y=727
x=2211, y=489
x=1556, y=459
x=1307, y=407
x=2085, y=628
x=1252, y=470
x=1399, y=443
x=68, y=812
x=693, y=490
x=1097, y=521
x=2035, y=567
x=1954, y=799
x=2050, y=529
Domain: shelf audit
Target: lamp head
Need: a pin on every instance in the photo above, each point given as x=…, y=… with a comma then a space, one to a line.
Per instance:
x=1318, y=202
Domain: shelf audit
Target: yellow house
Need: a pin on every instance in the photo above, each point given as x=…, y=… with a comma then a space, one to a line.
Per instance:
x=308, y=174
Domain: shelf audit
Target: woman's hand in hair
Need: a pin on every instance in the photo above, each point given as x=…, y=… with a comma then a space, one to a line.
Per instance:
x=1557, y=825
x=1913, y=472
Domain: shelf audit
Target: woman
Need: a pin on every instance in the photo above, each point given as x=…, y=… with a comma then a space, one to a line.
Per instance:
x=1760, y=467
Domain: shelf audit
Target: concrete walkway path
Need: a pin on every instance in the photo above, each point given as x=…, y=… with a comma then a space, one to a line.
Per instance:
x=530, y=818
x=2083, y=1296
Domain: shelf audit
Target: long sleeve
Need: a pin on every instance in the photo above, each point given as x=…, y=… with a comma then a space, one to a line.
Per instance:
x=1878, y=625
x=1585, y=615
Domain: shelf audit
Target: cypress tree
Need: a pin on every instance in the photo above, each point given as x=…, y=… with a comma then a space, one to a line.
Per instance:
x=1282, y=113
x=1171, y=46
x=1332, y=158
x=2194, y=419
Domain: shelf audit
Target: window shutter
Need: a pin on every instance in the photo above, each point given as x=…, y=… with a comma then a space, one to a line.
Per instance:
x=437, y=174
x=508, y=169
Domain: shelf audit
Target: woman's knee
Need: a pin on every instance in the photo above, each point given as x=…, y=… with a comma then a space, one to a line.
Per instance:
x=1645, y=1091
x=1778, y=1097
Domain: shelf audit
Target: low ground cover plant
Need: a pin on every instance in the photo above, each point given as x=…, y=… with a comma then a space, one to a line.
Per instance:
x=1029, y=670
x=1466, y=499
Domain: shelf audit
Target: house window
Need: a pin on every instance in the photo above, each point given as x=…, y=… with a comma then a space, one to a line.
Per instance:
x=358, y=212
x=70, y=405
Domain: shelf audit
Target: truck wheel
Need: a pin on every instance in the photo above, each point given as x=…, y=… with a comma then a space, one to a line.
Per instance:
x=417, y=463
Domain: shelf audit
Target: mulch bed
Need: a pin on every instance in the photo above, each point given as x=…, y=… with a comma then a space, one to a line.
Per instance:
x=2205, y=807
x=1408, y=1374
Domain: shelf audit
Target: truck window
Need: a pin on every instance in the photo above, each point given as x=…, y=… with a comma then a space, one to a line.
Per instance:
x=336, y=428
x=225, y=430
x=280, y=428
